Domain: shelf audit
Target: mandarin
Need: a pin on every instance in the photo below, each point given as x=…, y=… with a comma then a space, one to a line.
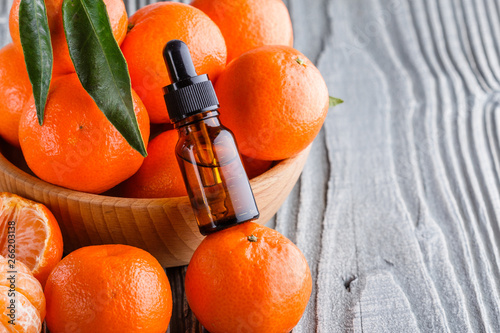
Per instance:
x=77, y=147
x=62, y=61
x=159, y=175
x=248, y=24
x=151, y=27
x=29, y=300
x=26, y=283
x=38, y=241
x=254, y=167
x=108, y=289
x=281, y=96
x=248, y=278
x=15, y=91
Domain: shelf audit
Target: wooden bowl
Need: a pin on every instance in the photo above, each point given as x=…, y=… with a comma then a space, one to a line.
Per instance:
x=165, y=227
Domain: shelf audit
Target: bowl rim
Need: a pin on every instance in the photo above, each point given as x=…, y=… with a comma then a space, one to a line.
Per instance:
x=7, y=167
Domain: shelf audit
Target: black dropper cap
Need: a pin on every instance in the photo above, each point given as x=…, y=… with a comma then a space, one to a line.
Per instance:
x=189, y=93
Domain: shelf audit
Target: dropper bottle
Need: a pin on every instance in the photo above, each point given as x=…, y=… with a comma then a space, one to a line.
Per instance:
x=216, y=182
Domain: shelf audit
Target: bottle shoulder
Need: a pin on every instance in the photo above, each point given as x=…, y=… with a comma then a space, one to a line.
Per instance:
x=208, y=147
x=218, y=136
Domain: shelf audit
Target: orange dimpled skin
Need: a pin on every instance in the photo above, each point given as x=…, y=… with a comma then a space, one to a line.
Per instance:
x=151, y=27
x=274, y=100
x=159, y=175
x=108, y=289
x=77, y=147
x=248, y=278
x=15, y=91
x=62, y=62
x=248, y=24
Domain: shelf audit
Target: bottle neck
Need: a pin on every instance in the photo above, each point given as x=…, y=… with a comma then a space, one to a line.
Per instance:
x=210, y=118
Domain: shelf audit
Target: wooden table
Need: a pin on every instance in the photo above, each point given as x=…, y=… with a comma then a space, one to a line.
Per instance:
x=397, y=210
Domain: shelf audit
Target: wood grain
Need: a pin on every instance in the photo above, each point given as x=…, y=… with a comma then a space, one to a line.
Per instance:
x=409, y=240
x=398, y=207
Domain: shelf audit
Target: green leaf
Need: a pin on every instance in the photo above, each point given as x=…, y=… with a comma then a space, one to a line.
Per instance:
x=37, y=48
x=335, y=101
x=101, y=66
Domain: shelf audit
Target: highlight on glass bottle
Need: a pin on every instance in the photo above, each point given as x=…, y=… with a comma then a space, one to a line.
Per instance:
x=216, y=182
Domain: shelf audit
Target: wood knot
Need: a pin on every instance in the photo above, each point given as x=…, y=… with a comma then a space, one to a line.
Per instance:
x=347, y=282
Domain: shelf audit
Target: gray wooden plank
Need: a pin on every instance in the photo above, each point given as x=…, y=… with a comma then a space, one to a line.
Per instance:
x=4, y=22
x=419, y=189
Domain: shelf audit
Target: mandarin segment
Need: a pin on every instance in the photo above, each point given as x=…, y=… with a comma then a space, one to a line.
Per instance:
x=77, y=147
x=20, y=266
x=108, y=289
x=28, y=318
x=248, y=24
x=27, y=285
x=248, y=278
x=151, y=27
x=38, y=239
x=30, y=306
x=283, y=103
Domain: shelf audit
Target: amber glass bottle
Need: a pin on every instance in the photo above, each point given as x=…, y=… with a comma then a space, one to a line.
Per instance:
x=208, y=157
